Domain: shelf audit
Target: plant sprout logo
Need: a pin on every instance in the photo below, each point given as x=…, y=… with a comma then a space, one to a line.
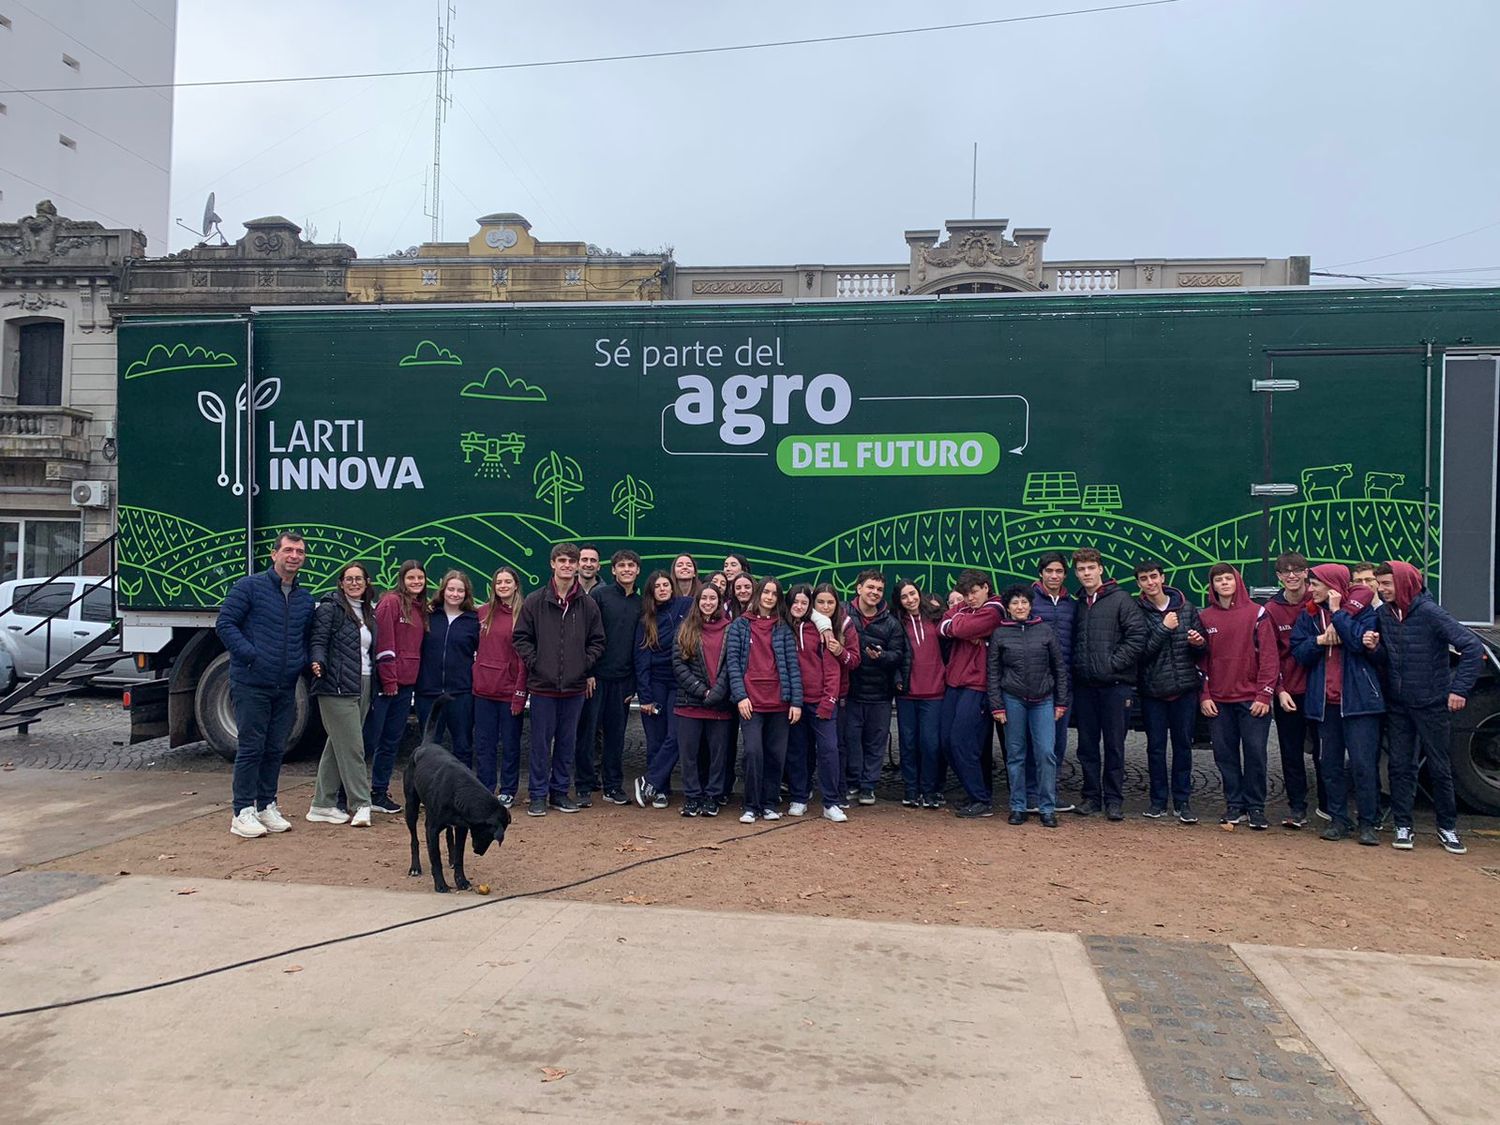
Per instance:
x=211, y=406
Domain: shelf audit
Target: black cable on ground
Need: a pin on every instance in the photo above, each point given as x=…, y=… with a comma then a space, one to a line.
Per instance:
x=216, y=970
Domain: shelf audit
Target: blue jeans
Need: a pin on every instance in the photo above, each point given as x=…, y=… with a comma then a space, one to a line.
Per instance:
x=919, y=726
x=1060, y=742
x=661, y=739
x=497, y=735
x=606, y=710
x=813, y=751
x=1174, y=718
x=1292, y=728
x=1414, y=731
x=764, y=735
x=1102, y=714
x=263, y=717
x=456, y=721
x=697, y=737
x=1358, y=737
x=384, y=726
x=1030, y=727
x=867, y=735
x=964, y=730
x=1240, y=753
x=554, y=739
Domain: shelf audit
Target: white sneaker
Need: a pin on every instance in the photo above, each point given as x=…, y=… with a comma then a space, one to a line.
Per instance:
x=247, y=824
x=747, y=817
x=271, y=818
x=361, y=818
x=320, y=814
x=835, y=814
x=796, y=808
x=770, y=814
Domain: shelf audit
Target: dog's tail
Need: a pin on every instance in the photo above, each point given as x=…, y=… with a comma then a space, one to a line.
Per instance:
x=435, y=716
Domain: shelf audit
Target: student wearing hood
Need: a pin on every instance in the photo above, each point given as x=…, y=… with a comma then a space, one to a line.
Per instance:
x=1411, y=640
x=1343, y=696
x=1240, y=674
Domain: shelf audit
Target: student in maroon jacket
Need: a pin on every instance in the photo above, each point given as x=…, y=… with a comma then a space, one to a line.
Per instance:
x=1239, y=685
x=1292, y=727
x=966, y=726
x=702, y=702
x=825, y=646
x=919, y=701
x=401, y=625
x=559, y=637
x=499, y=689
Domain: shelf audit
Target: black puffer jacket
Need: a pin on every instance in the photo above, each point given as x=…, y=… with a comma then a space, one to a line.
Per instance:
x=696, y=687
x=1169, y=665
x=876, y=681
x=1413, y=651
x=334, y=645
x=1026, y=660
x=1108, y=637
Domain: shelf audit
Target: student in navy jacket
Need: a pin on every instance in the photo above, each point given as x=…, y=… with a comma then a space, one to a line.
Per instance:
x=264, y=624
x=1411, y=641
x=662, y=611
x=447, y=668
x=1342, y=696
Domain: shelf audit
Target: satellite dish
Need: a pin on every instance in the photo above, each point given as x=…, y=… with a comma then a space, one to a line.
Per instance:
x=211, y=220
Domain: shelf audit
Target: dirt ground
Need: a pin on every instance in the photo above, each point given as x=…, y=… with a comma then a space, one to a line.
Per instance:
x=1088, y=876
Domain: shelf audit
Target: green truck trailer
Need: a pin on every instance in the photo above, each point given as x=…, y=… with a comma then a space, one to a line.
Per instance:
x=818, y=438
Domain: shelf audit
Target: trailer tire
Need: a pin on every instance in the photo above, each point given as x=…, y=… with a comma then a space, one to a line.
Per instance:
x=1476, y=753
x=214, y=710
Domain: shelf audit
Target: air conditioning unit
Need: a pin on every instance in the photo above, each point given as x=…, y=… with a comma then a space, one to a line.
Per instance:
x=90, y=494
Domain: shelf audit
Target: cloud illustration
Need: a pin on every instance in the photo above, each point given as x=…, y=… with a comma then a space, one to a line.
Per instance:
x=179, y=357
x=428, y=354
x=513, y=390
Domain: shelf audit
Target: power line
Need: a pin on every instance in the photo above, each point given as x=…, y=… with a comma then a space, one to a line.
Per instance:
x=587, y=60
x=1414, y=249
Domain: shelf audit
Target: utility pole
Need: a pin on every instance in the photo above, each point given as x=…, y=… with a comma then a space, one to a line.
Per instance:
x=443, y=99
x=974, y=184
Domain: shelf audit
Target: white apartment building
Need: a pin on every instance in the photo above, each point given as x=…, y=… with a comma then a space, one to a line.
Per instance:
x=100, y=156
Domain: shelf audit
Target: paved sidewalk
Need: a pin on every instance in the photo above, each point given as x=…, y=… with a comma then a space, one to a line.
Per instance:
x=654, y=1015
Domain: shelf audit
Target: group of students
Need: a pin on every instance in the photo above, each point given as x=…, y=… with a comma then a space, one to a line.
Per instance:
x=788, y=690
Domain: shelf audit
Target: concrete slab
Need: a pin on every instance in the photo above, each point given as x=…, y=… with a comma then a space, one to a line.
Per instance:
x=1414, y=1037
x=655, y=1014
x=48, y=814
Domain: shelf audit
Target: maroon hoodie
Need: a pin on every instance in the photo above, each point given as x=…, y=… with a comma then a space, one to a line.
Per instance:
x=1240, y=664
x=1335, y=577
x=499, y=674
x=822, y=672
x=925, y=678
x=1283, y=615
x=1408, y=581
x=968, y=662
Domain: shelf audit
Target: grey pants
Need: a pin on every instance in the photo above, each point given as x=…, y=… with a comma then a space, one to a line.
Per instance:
x=343, y=760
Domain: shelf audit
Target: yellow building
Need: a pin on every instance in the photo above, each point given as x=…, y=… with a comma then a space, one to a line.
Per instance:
x=503, y=262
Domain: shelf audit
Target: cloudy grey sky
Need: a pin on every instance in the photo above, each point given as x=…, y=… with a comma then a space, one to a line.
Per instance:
x=1344, y=129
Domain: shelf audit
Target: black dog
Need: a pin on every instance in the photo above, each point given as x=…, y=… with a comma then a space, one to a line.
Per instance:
x=456, y=802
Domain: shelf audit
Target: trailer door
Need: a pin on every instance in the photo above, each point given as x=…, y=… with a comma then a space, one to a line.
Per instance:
x=1471, y=421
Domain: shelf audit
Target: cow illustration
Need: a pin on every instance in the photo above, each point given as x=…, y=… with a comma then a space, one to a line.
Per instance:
x=393, y=552
x=1379, y=486
x=1324, y=482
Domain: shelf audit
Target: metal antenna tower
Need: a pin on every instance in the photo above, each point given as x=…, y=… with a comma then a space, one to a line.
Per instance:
x=444, y=98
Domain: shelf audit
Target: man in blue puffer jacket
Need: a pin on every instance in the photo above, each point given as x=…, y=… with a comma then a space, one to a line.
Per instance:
x=1411, y=640
x=264, y=624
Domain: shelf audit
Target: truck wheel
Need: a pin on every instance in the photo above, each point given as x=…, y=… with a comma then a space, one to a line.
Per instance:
x=1476, y=753
x=215, y=711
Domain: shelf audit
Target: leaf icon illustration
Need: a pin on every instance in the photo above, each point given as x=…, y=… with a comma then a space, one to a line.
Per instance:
x=211, y=406
x=267, y=393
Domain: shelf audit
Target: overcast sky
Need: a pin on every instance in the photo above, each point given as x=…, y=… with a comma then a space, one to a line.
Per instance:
x=1343, y=129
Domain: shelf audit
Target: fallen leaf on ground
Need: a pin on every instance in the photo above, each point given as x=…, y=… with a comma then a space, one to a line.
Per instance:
x=180, y=890
x=809, y=894
x=470, y=1032
x=292, y=969
x=553, y=1073
x=167, y=855
x=122, y=872
x=629, y=846
x=637, y=900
